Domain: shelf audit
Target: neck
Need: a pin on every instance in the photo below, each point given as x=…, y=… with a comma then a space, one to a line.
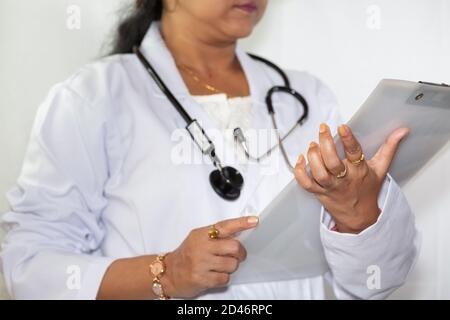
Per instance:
x=202, y=53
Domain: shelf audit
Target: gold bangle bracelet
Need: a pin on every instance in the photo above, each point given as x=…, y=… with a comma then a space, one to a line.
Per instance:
x=157, y=270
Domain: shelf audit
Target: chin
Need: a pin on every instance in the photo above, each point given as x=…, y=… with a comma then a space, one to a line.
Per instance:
x=240, y=31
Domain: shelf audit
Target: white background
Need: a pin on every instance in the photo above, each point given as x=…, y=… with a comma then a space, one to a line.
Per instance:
x=349, y=44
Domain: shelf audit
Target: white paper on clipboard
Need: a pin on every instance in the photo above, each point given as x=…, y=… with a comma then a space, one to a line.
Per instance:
x=286, y=245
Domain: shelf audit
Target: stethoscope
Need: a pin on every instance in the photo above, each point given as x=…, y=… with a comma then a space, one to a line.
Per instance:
x=227, y=181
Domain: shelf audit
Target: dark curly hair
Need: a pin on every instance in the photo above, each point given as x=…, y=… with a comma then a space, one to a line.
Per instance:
x=132, y=30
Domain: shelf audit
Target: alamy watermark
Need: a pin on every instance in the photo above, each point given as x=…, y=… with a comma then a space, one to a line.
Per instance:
x=373, y=21
x=373, y=281
x=230, y=152
x=73, y=21
x=73, y=281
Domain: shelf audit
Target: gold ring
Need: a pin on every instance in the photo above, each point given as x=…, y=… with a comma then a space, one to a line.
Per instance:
x=358, y=162
x=213, y=233
x=342, y=174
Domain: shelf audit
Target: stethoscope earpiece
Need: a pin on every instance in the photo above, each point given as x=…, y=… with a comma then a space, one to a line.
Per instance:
x=227, y=183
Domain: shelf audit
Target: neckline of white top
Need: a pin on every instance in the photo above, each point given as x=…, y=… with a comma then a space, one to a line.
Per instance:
x=227, y=113
x=218, y=97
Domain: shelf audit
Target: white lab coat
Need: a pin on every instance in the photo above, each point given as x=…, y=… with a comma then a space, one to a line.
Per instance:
x=99, y=183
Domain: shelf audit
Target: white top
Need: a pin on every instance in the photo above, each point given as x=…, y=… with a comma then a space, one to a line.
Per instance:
x=227, y=113
x=110, y=172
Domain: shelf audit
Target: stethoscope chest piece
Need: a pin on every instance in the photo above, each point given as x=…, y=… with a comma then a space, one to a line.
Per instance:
x=228, y=183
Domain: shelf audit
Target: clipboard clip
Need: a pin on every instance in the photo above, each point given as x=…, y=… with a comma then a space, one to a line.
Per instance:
x=434, y=84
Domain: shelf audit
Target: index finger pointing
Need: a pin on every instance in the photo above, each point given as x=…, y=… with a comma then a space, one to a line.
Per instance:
x=229, y=228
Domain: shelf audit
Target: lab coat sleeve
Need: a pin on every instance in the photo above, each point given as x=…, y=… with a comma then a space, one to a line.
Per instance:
x=372, y=264
x=54, y=228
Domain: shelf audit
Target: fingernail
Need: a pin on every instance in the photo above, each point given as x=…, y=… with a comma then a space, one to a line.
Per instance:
x=400, y=134
x=253, y=221
x=301, y=159
x=406, y=133
x=343, y=130
x=323, y=128
x=313, y=145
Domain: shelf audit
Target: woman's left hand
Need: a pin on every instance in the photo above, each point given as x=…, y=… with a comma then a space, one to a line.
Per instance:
x=348, y=189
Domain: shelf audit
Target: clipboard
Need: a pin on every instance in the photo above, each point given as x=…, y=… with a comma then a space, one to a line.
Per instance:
x=286, y=245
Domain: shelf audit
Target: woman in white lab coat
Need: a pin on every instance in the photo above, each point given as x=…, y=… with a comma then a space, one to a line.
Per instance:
x=102, y=195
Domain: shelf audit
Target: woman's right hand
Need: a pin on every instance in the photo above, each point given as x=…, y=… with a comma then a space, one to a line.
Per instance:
x=201, y=263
